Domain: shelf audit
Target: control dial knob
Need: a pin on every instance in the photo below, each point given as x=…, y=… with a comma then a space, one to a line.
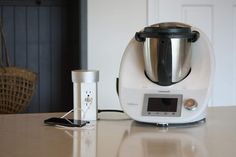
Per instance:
x=190, y=104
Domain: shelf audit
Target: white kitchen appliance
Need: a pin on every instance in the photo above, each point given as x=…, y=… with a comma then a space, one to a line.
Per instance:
x=175, y=101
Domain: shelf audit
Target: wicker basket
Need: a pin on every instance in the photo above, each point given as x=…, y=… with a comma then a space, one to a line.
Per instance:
x=17, y=85
x=16, y=89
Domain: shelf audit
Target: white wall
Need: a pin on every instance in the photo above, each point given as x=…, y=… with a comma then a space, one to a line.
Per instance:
x=217, y=18
x=111, y=24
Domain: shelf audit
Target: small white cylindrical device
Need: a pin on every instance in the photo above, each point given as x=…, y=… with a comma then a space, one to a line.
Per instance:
x=85, y=94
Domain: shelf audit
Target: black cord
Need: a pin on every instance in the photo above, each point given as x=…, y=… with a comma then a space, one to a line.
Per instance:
x=120, y=111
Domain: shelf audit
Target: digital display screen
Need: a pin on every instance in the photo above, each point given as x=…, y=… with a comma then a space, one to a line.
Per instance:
x=162, y=104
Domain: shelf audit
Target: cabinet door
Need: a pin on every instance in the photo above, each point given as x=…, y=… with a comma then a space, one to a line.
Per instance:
x=47, y=37
x=217, y=18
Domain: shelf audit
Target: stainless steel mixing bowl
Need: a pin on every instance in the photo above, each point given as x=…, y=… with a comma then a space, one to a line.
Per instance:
x=167, y=51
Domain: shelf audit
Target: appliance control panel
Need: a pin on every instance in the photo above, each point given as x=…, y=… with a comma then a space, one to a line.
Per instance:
x=164, y=105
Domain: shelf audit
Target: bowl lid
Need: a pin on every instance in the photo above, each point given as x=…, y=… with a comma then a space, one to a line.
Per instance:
x=169, y=29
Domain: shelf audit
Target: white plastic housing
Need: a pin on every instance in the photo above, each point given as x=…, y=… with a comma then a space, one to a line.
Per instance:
x=133, y=84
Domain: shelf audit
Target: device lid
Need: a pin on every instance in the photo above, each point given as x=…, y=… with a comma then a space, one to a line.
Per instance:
x=167, y=30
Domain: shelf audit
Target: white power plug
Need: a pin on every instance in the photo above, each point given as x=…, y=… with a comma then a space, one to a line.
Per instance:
x=88, y=101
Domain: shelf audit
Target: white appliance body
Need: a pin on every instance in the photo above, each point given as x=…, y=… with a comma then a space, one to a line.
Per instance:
x=137, y=93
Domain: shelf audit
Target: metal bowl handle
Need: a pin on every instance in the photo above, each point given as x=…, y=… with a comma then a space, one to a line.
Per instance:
x=138, y=37
x=195, y=35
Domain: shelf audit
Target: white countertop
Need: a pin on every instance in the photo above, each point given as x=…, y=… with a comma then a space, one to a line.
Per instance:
x=25, y=135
